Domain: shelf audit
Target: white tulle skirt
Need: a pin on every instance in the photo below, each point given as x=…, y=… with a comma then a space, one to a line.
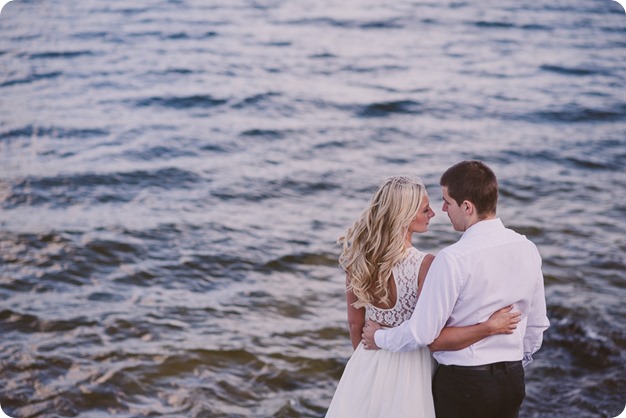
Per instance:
x=382, y=384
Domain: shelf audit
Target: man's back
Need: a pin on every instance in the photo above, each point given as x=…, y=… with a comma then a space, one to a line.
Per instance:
x=488, y=268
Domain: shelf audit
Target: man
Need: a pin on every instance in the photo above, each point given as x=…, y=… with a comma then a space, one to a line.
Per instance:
x=488, y=268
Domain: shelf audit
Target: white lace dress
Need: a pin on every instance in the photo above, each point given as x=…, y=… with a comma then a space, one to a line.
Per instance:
x=382, y=384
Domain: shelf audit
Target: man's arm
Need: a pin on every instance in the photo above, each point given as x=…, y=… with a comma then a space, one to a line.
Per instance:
x=537, y=321
x=438, y=297
x=406, y=343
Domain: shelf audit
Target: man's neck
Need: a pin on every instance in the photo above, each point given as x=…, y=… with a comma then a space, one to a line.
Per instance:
x=476, y=220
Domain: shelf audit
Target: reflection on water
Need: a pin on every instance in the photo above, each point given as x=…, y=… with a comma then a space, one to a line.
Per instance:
x=174, y=175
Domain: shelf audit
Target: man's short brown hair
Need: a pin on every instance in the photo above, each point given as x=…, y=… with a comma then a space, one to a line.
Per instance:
x=473, y=181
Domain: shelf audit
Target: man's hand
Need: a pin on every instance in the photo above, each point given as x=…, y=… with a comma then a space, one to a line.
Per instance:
x=368, y=335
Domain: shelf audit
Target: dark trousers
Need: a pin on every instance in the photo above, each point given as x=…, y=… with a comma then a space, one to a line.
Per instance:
x=491, y=391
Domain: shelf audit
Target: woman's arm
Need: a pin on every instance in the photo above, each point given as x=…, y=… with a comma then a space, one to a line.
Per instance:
x=356, y=317
x=502, y=321
x=421, y=275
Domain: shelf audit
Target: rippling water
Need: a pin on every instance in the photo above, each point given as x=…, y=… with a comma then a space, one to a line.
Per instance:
x=173, y=176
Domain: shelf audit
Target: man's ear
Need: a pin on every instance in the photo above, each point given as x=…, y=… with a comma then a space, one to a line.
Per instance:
x=468, y=207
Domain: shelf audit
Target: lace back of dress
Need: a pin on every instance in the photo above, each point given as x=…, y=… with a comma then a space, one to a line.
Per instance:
x=405, y=275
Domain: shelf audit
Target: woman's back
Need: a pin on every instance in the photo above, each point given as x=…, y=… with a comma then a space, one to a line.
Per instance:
x=405, y=276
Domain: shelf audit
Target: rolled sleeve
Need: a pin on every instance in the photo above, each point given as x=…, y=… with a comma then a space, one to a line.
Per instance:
x=398, y=339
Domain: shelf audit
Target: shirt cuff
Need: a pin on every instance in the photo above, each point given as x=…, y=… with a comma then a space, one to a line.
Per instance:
x=379, y=338
x=528, y=358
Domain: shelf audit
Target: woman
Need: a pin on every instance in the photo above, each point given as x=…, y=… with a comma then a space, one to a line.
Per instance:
x=384, y=276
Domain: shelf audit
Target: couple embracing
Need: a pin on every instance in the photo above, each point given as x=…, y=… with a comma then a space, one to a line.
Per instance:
x=478, y=306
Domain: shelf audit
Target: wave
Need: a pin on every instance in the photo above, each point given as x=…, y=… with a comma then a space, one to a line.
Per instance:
x=32, y=78
x=174, y=36
x=27, y=323
x=382, y=109
x=575, y=113
x=59, y=55
x=576, y=71
x=256, y=100
x=34, y=131
x=66, y=190
x=256, y=190
x=493, y=24
x=203, y=101
x=391, y=23
x=161, y=153
x=291, y=262
x=265, y=133
x=588, y=347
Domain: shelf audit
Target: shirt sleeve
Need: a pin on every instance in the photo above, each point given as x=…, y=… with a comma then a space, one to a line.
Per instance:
x=396, y=339
x=537, y=321
x=438, y=297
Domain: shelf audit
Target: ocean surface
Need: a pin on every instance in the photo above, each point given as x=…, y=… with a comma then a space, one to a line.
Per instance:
x=174, y=175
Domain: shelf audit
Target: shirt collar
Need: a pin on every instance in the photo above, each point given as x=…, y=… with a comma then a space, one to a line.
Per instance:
x=482, y=227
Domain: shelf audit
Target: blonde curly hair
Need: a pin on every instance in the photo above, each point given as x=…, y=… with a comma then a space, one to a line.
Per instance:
x=376, y=241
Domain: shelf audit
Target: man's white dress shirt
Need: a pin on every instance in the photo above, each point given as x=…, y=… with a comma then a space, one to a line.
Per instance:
x=489, y=268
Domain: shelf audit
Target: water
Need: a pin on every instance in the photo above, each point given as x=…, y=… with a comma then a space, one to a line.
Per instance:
x=174, y=174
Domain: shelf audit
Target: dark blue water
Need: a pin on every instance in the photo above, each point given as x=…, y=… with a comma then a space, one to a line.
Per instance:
x=174, y=174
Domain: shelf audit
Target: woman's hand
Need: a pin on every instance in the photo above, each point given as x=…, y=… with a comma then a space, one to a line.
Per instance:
x=503, y=321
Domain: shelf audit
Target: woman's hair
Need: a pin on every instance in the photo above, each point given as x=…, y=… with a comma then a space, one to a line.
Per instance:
x=474, y=181
x=376, y=241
